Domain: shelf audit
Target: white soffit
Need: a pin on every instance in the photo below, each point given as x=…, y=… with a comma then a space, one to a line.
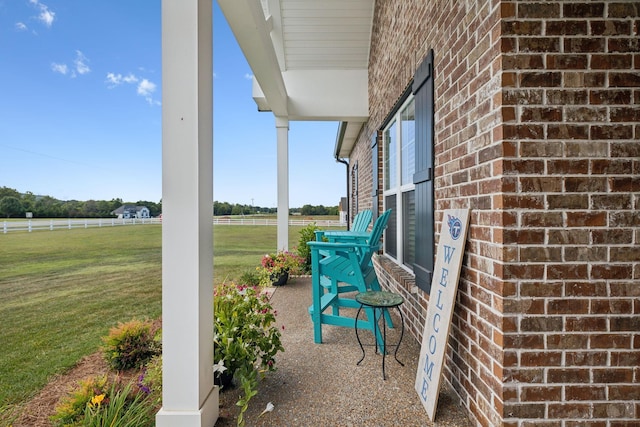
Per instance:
x=318, y=51
x=327, y=34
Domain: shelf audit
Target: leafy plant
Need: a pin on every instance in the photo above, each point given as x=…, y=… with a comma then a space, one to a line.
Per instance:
x=273, y=265
x=307, y=234
x=245, y=337
x=250, y=278
x=150, y=380
x=124, y=408
x=70, y=410
x=131, y=345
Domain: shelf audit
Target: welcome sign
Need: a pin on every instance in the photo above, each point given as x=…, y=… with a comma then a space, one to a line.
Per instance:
x=444, y=286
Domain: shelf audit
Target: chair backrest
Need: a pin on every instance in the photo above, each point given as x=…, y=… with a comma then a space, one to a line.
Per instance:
x=374, y=240
x=361, y=221
x=378, y=228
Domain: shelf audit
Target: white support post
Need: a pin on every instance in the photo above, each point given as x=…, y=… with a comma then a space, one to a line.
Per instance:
x=189, y=398
x=282, y=130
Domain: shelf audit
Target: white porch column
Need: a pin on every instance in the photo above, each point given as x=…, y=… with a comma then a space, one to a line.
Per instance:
x=189, y=397
x=282, y=130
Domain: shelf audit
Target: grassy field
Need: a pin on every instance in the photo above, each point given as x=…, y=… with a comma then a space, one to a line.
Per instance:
x=61, y=291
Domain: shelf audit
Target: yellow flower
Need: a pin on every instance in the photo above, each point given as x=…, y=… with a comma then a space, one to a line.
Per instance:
x=97, y=400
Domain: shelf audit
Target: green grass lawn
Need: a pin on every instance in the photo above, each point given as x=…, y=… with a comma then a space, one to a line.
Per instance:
x=61, y=291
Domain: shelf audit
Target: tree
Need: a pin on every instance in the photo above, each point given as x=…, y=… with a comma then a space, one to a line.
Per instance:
x=11, y=206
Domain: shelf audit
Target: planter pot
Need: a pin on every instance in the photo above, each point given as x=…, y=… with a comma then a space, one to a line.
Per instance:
x=224, y=380
x=279, y=279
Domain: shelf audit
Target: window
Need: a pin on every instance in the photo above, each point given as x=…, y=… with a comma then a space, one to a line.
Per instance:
x=407, y=166
x=399, y=167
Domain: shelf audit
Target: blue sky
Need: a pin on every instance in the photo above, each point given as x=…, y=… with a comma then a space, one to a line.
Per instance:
x=81, y=107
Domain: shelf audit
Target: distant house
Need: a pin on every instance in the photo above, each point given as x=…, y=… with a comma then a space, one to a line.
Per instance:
x=344, y=210
x=131, y=211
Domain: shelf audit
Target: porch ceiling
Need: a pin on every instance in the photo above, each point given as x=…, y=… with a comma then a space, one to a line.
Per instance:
x=309, y=58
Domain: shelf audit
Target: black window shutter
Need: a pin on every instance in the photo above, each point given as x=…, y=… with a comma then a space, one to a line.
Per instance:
x=423, y=177
x=375, y=184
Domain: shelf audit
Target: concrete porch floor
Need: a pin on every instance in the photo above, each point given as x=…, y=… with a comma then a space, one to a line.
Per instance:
x=321, y=385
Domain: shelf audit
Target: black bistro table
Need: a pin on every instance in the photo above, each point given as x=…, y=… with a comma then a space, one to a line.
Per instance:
x=380, y=301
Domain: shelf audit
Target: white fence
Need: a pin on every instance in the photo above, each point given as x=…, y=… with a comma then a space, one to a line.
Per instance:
x=57, y=224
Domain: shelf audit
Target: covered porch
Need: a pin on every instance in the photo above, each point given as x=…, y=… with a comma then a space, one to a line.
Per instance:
x=320, y=384
x=309, y=64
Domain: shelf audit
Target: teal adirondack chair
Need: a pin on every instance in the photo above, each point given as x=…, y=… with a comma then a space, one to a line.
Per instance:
x=342, y=267
x=360, y=225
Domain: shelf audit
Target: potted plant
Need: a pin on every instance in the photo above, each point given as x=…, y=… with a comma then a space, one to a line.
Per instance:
x=275, y=268
x=246, y=339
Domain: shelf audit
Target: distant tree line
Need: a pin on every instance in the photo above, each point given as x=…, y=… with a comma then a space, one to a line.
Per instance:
x=14, y=204
x=226, y=209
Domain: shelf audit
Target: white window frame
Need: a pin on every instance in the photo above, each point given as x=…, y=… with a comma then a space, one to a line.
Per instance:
x=400, y=188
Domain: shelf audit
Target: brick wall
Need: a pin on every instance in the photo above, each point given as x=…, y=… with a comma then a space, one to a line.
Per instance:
x=571, y=113
x=537, y=131
x=465, y=39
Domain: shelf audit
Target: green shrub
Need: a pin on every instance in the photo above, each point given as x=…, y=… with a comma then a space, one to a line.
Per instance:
x=307, y=234
x=130, y=345
x=150, y=381
x=121, y=407
x=70, y=410
x=250, y=278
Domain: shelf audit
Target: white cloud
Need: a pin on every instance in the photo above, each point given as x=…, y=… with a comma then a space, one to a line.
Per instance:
x=144, y=88
x=81, y=63
x=114, y=80
x=60, y=68
x=248, y=76
x=21, y=26
x=79, y=66
x=46, y=16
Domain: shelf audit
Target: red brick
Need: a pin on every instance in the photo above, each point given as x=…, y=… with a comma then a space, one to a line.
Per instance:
x=569, y=410
x=570, y=237
x=591, y=219
x=582, y=254
x=569, y=28
x=540, y=324
x=611, y=97
x=578, y=45
x=589, y=392
x=585, y=184
x=567, y=341
x=623, y=44
x=610, y=341
x=624, y=392
x=631, y=324
x=611, y=62
x=567, y=167
x=568, y=62
x=540, y=79
x=583, y=10
x=542, y=219
x=586, y=323
x=568, y=306
x=568, y=201
x=609, y=27
x=540, y=393
x=624, y=79
x=574, y=375
x=611, y=132
x=625, y=149
x=622, y=9
x=530, y=28
x=567, y=131
x=585, y=358
x=612, y=166
x=611, y=237
x=618, y=272
x=617, y=201
x=625, y=114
